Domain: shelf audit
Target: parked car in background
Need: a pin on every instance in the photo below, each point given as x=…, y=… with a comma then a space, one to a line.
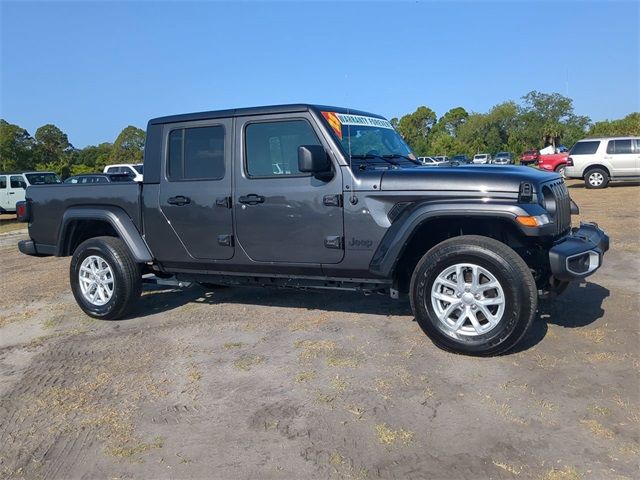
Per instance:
x=460, y=158
x=99, y=178
x=430, y=161
x=135, y=170
x=14, y=184
x=601, y=160
x=482, y=158
x=530, y=157
x=441, y=158
x=554, y=162
x=502, y=158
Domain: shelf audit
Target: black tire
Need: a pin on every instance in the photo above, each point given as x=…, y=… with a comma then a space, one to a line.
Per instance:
x=592, y=174
x=514, y=276
x=126, y=275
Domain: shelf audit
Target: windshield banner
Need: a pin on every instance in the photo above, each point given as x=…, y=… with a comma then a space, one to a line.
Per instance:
x=336, y=120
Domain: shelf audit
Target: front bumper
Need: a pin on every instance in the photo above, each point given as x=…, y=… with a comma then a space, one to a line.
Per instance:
x=580, y=253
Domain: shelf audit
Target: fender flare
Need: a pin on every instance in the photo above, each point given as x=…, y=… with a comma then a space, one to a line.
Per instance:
x=401, y=231
x=117, y=218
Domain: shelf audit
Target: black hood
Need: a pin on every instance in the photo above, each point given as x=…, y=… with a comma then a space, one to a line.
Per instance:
x=480, y=178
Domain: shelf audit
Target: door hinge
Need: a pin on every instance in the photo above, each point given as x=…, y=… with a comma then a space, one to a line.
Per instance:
x=223, y=202
x=332, y=200
x=225, y=240
x=334, y=241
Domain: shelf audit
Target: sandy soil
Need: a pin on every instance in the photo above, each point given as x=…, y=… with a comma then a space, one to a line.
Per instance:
x=253, y=383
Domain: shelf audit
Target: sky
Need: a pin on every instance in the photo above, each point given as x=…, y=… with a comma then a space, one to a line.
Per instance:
x=92, y=68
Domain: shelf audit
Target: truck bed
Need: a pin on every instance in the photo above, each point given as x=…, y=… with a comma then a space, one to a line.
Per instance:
x=49, y=202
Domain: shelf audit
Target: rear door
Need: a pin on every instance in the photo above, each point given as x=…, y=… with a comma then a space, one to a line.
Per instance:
x=621, y=155
x=282, y=214
x=195, y=193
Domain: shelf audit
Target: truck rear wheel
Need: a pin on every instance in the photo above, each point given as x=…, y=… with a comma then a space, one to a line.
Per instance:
x=105, y=279
x=473, y=295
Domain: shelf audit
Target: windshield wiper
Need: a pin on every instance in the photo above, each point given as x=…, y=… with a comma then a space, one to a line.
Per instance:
x=397, y=155
x=370, y=156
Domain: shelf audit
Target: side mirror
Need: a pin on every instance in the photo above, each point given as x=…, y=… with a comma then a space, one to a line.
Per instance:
x=313, y=159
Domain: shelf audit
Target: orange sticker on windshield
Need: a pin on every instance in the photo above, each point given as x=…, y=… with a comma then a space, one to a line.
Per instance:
x=334, y=122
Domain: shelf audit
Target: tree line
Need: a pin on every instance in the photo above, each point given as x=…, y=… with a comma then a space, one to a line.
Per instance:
x=538, y=120
x=50, y=150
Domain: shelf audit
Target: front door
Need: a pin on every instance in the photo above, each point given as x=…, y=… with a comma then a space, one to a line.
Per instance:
x=283, y=215
x=195, y=193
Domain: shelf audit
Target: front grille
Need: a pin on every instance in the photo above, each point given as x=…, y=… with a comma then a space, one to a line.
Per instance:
x=561, y=212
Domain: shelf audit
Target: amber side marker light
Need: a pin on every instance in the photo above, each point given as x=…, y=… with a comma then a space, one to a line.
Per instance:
x=533, y=221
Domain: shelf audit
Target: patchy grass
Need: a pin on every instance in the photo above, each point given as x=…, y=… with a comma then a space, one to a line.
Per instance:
x=343, y=359
x=597, y=410
x=596, y=335
x=305, y=376
x=336, y=459
x=504, y=410
x=388, y=436
x=232, y=345
x=247, y=362
x=310, y=349
x=566, y=473
x=6, y=227
x=193, y=374
x=339, y=384
x=598, y=429
x=48, y=323
x=325, y=398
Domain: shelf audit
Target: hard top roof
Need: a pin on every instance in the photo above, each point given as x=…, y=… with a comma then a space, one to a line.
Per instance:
x=266, y=110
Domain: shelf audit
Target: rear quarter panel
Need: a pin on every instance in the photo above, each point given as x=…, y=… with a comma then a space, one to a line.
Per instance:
x=49, y=202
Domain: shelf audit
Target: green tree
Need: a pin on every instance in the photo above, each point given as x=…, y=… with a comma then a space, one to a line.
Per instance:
x=416, y=127
x=548, y=119
x=627, y=126
x=452, y=120
x=51, y=145
x=16, y=148
x=129, y=146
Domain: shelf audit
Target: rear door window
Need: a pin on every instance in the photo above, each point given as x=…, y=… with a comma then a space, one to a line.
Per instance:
x=619, y=147
x=585, y=148
x=196, y=154
x=3, y=182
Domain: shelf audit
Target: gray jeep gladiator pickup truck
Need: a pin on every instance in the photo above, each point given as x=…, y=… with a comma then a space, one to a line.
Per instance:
x=320, y=197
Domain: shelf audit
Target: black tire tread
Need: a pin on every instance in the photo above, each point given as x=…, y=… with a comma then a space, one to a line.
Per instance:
x=528, y=282
x=129, y=269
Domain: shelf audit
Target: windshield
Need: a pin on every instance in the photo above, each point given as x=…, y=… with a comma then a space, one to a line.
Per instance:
x=138, y=168
x=362, y=136
x=42, y=178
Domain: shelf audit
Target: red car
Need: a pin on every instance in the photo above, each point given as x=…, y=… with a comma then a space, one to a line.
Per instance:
x=530, y=157
x=556, y=162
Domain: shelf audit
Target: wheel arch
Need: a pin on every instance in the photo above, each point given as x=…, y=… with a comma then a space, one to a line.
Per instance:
x=82, y=223
x=593, y=167
x=415, y=233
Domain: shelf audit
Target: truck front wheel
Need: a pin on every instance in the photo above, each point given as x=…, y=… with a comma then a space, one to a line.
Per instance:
x=473, y=295
x=105, y=279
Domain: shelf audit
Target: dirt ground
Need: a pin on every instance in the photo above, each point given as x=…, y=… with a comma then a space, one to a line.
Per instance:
x=257, y=383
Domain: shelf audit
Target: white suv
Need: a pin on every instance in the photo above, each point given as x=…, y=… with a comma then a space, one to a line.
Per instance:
x=134, y=170
x=13, y=186
x=482, y=158
x=599, y=160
